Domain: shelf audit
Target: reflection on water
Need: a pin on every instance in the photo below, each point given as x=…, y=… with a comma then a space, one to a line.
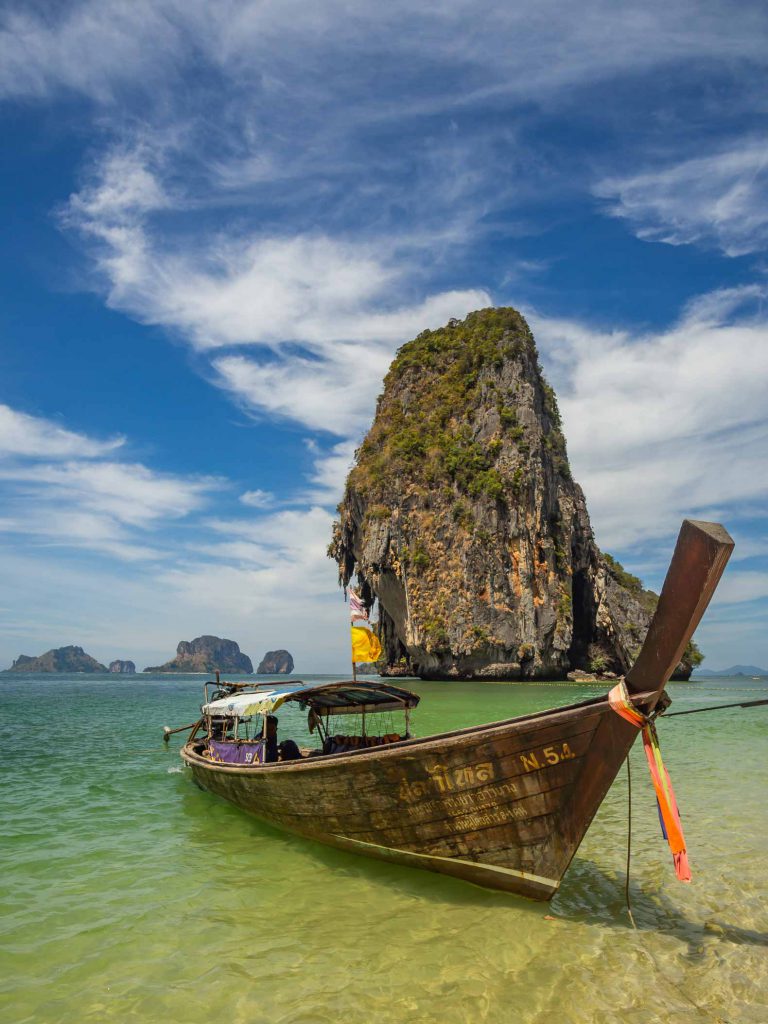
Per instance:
x=130, y=895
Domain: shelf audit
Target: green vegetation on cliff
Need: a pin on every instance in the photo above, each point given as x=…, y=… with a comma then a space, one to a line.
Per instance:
x=425, y=435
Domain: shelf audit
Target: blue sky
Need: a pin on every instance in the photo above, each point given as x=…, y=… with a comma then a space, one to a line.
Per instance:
x=221, y=220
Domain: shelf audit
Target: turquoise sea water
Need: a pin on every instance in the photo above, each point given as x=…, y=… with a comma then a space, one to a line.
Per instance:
x=127, y=894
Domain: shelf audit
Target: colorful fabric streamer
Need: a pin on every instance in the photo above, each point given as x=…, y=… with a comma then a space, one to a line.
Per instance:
x=357, y=609
x=669, y=815
x=365, y=645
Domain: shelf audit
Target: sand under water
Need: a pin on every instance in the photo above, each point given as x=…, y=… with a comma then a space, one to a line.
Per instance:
x=127, y=894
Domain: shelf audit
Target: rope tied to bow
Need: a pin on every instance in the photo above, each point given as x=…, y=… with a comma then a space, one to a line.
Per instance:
x=669, y=815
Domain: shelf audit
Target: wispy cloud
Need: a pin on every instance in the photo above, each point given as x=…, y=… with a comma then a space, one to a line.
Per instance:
x=98, y=48
x=321, y=310
x=258, y=499
x=66, y=489
x=665, y=424
x=86, y=48
x=720, y=199
x=37, y=437
x=739, y=587
x=335, y=389
x=330, y=471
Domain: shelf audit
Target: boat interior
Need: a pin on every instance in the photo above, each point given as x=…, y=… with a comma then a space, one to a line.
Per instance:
x=240, y=726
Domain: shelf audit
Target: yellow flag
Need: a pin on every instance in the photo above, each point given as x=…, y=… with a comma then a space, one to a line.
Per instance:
x=365, y=645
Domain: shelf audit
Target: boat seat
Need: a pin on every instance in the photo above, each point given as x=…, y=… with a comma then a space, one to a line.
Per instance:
x=342, y=744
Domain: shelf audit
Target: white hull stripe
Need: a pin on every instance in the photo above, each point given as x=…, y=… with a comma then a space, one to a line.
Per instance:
x=550, y=883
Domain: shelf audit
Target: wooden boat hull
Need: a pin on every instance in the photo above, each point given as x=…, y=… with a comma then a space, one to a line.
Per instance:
x=504, y=805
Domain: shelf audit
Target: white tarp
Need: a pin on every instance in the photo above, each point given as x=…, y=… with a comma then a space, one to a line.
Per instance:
x=243, y=705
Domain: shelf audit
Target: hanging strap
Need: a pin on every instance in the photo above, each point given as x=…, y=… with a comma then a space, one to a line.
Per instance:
x=669, y=816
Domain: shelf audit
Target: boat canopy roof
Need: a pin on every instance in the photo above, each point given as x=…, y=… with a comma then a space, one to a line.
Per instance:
x=328, y=698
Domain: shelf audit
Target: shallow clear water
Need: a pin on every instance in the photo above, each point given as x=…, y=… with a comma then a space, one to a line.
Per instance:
x=127, y=894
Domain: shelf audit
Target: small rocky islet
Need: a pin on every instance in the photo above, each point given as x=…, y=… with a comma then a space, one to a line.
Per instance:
x=461, y=517
x=206, y=654
x=123, y=668
x=58, y=659
x=276, y=663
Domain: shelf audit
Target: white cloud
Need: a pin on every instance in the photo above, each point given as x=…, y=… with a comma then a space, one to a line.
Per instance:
x=336, y=390
x=35, y=437
x=666, y=424
x=99, y=46
x=288, y=548
x=89, y=48
x=720, y=199
x=258, y=499
x=50, y=523
x=330, y=472
x=124, y=186
x=128, y=493
x=740, y=586
x=320, y=310
x=85, y=500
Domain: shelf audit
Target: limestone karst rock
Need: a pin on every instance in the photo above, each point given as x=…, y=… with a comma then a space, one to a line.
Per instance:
x=461, y=517
x=59, y=659
x=124, y=668
x=206, y=654
x=276, y=663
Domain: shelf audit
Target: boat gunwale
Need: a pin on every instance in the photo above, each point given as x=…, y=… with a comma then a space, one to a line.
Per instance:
x=393, y=750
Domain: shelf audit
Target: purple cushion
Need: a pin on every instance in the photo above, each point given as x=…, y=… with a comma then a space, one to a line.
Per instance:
x=242, y=752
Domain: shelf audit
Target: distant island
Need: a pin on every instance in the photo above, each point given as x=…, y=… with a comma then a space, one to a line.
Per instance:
x=734, y=670
x=123, y=668
x=59, y=659
x=276, y=663
x=206, y=654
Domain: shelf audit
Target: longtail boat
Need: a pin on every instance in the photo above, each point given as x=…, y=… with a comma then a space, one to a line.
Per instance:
x=503, y=805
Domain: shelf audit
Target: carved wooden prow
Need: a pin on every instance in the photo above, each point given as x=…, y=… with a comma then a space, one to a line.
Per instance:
x=700, y=556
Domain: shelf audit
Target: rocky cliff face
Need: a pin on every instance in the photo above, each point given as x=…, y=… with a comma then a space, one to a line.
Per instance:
x=462, y=519
x=276, y=663
x=206, y=654
x=125, y=668
x=60, y=659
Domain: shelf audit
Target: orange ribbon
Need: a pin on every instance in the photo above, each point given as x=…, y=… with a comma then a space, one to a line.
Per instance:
x=619, y=700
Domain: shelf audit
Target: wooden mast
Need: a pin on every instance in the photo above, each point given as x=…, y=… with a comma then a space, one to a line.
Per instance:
x=700, y=556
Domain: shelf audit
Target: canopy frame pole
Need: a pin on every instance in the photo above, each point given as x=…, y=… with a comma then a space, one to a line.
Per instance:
x=322, y=730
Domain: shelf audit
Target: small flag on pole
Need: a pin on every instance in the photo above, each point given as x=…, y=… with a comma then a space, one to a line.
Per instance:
x=357, y=609
x=365, y=645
